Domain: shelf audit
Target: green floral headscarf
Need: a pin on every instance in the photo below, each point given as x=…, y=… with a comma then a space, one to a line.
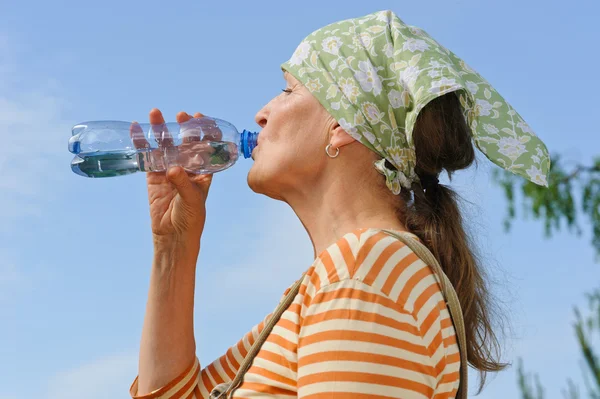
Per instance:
x=374, y=74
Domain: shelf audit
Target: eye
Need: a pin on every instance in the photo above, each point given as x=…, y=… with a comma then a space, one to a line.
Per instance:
x=287, y=90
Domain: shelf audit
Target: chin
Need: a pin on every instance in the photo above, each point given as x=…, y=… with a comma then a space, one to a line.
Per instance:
x=251, y=180
x=259, y=183
x=255, y=179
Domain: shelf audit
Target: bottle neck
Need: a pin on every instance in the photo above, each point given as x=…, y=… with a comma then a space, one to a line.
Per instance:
x=247, y=143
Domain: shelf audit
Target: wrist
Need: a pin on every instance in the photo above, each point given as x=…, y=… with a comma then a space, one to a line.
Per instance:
x=168, y=243
x=169, y=251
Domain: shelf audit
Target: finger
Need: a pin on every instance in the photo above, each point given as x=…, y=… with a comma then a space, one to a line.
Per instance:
x=190, y=132
x=137, y=136
x=183, y=117
x=209, y=128
x=179, y=178
x=161, y=133
x=203, y=182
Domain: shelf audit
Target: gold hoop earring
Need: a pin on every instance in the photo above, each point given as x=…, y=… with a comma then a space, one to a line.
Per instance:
x=329, y=155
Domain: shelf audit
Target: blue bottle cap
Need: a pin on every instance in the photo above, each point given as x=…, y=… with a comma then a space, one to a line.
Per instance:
x=248, y=142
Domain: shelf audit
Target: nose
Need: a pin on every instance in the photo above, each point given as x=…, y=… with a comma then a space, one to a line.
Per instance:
x=261, y=116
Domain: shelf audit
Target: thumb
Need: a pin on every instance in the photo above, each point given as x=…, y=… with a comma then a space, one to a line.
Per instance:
x=179, y=178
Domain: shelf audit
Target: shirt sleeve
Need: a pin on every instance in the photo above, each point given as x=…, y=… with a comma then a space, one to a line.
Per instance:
x=196, y=382
x=183, y=386
x=354, y=340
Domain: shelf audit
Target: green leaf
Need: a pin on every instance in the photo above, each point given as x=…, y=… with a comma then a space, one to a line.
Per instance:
x=314, y=58
x=375, y=29
x=332, y=91
x=392, y=118
x=488, y=140
x=415, y=59
x=572, y=194
x=396, y=66
x=524, y=139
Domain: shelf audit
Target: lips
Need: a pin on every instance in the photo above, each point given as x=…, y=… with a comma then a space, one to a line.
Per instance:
x=255, y=148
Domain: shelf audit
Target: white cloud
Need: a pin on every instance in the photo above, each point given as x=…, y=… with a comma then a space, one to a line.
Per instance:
x=279, y=256
x=262, y=267
x=106, y=377
x=32, y=132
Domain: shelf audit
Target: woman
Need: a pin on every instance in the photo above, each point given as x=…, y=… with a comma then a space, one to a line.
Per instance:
x=369, y=319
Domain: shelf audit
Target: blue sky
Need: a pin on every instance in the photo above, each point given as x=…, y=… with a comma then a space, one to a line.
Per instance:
x=75, y=253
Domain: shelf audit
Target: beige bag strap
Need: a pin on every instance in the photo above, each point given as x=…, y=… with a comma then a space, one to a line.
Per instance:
x=262, y=337
x=447, y=290
x=451, y=300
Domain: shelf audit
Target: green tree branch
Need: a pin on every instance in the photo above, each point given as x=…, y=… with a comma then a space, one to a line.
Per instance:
x=571, y=193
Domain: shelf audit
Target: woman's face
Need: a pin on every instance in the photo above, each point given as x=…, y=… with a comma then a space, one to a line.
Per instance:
x=290, y=154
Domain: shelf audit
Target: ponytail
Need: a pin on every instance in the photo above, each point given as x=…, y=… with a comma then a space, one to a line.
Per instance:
x=443, y=143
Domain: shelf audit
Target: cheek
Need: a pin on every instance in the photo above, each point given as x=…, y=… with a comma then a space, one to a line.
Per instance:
x=291, y=158
x=306, y=159
x=290, y=116
x=292, y=136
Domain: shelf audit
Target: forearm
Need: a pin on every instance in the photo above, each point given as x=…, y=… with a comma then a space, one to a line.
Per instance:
x=167, y=345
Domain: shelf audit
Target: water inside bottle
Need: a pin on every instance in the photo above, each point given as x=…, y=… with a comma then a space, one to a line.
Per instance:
x=198, y=157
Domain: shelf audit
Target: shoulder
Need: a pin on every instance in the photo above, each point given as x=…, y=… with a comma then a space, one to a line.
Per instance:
x=379, y=261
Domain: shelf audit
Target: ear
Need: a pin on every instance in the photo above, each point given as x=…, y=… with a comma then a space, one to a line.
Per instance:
x=339, y=137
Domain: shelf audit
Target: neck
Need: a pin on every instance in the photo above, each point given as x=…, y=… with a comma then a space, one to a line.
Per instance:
x=336, y=208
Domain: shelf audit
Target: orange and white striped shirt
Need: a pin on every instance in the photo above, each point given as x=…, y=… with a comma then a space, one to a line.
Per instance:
x=368, y=322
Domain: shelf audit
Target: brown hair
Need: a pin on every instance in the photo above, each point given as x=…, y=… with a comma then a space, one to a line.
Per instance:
x=443, y=143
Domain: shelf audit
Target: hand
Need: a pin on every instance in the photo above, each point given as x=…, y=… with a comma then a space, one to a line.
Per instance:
x=177, y=199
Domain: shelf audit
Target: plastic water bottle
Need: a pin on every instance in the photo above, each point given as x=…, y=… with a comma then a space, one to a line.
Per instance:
x=200, y=145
